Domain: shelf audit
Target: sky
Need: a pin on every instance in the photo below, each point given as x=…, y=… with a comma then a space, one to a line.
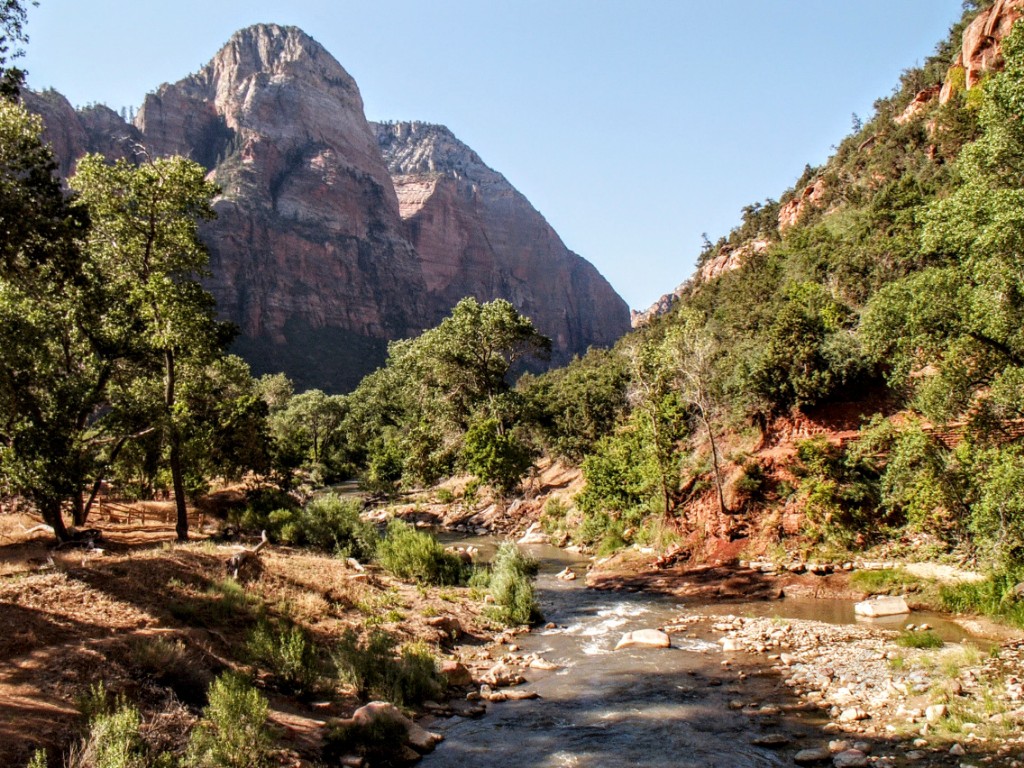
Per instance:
x=634, y=126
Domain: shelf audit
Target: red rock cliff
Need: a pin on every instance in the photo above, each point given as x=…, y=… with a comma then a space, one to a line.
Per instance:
x=312, y=254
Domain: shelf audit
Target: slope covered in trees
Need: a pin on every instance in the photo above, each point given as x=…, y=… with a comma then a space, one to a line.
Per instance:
x=878, y=303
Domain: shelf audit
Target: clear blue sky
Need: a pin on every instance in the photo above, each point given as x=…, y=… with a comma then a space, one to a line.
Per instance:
x=633, y=126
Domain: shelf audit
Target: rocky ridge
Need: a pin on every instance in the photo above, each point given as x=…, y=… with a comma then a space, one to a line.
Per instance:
x=313, y=255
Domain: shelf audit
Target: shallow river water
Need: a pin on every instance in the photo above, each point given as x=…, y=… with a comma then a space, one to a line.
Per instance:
x=634, y=707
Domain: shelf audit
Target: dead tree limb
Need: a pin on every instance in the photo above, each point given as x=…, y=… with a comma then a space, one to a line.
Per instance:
x=240, y=559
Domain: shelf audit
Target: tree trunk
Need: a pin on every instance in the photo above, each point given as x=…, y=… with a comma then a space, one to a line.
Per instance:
x=78, y=512
x=177, y=477
x=714, y=462
x=181, y=528
x=51, y=512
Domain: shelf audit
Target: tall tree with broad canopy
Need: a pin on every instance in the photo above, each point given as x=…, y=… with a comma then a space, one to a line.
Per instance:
x=414, y=413
x=55, y=352
x=144, y=238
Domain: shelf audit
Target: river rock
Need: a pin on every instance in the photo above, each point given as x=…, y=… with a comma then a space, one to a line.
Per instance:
x=543, y=664
x=534, y=535
x=420, y=739
x=500, y=675
x=644, y=638
x=449, y=625
x=455, y=673
x=567, y=575
x=882, y=605
x=852, y=714
x=772, y=740
x=812, y=756
x=850, y=758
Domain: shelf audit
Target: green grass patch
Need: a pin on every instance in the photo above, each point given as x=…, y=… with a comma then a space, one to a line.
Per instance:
x=919, y=640
x=886, y=581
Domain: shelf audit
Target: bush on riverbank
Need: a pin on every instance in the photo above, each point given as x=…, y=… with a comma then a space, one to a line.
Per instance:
x=511, y=585
x=374, y=668
x=418, y=556
x=328, y=522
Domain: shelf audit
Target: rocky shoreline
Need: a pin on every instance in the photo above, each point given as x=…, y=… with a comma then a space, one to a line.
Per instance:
x=955, y=704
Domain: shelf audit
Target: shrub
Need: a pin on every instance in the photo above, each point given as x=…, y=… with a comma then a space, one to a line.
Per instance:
x=232, y=732
x=512, y=587
x=113, y=741
x=287, y=654
x=494, y=455
x=169, y=662
x=993, y=597
x=555, y=512
x=95, y=701
x=38, y=759
x=751, y=483
x=417, y=555
x=329, y=523
x=260, y=502
x=373, y=668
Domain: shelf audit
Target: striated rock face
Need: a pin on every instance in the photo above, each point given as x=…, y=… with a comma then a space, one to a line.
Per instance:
x=478, y=236
x=314, y=255
x=981, y=50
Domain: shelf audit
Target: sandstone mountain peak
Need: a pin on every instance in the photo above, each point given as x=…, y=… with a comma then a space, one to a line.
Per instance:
x=415, y=147
x=334, y=236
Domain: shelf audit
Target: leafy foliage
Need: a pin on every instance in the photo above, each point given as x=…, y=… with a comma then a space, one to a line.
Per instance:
x=376, y=669
x=511, y=586
x=418, y=556
x=232, y=732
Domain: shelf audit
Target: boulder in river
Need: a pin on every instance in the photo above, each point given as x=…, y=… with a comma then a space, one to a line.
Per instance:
x=420, y=739
x=881, y=605
x=644, y=638
x=534, y=535
x=812, y=756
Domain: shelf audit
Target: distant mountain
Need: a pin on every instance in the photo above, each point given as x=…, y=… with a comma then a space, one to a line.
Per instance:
x=334, y=236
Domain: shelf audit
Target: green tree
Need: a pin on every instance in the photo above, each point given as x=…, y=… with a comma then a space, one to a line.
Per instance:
x=144, y=237
x=415, y=412
x=55, y=354
x=12, y=37
x=692, y=351
x=571, y=408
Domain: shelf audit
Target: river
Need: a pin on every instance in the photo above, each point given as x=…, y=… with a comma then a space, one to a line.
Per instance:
x=635, y=707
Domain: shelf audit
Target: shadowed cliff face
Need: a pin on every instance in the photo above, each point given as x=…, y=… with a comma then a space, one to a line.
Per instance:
x=477, y=236
x=312, y=253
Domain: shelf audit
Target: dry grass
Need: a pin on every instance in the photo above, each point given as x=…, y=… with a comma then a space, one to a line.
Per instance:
x=155, y=621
